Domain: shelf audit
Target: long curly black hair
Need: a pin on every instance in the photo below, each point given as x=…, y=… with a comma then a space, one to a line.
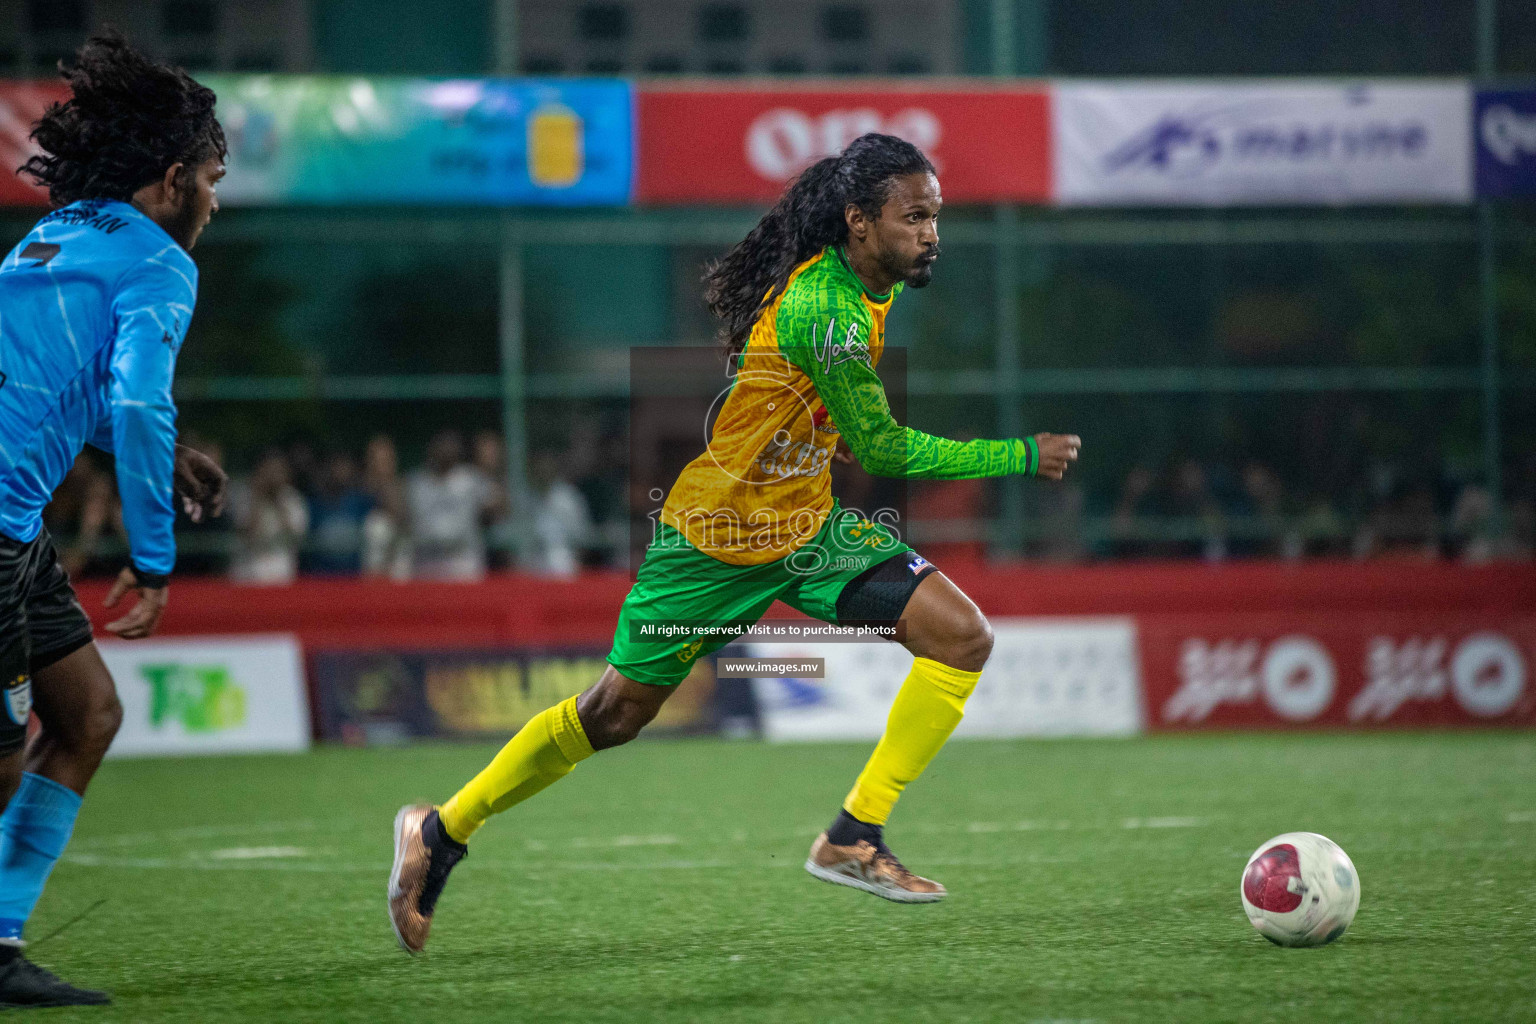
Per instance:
x=807, y=218
x=128, y=121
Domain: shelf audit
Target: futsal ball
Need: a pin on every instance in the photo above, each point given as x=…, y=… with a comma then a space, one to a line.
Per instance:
x=1300, y=889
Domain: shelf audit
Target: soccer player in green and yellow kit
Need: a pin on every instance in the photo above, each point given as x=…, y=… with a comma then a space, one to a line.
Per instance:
x=802, y=300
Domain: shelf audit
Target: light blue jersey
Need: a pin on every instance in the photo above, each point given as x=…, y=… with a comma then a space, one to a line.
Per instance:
x=94, y=305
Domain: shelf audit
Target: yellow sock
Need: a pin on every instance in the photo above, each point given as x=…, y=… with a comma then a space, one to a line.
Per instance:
x=926, y=710
x=542, y=753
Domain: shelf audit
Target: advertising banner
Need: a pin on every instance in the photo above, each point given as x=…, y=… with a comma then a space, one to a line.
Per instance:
x=1505, y=128
x=741, y=144
x=209, y=696
x=1366, y=670
x=1046, y=677
x=21, y=104
x=494, y=142
x=1153, y=143
x=374, y=697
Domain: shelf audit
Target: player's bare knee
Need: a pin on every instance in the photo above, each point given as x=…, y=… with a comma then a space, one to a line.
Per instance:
x=106, y=719
x=96, y=725
x=969, y=645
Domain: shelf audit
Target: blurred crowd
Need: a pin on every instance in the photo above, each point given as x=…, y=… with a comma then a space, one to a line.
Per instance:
x=1189, y=509
x=300, y=510
x=1247, y=511
x=303, y=510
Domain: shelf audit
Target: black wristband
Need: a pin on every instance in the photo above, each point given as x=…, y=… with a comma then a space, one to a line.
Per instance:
x=1031, y=456
x=152, y=580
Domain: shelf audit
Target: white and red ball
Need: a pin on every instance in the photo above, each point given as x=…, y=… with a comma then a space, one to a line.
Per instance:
x=1300, y=889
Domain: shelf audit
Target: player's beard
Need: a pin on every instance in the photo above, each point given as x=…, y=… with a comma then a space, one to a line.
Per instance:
x=184, y=226
x=922, y=269
x=915, y=272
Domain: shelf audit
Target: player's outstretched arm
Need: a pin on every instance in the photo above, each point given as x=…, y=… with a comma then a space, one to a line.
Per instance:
x=152, y=308
x=831, y=351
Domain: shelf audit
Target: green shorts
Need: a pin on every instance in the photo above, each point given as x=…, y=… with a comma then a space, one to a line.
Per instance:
x=686, y=604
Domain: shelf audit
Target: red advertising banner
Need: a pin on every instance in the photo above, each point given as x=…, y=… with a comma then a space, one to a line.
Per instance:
x=21, y=104
x=741, y=144
x=1368, y=670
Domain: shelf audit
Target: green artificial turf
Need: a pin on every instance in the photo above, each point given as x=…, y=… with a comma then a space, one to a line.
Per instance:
x=1089, y=881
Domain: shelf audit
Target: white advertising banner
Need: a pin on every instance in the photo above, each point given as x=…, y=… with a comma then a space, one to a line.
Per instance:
x=1046, y=677
x=209, y=695
x=1150, y=143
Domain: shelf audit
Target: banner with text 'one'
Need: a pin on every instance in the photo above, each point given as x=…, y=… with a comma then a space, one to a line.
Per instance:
x=742, y=144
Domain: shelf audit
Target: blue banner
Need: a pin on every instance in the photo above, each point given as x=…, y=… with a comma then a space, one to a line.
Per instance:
x=1505, y=127
x=493, y=142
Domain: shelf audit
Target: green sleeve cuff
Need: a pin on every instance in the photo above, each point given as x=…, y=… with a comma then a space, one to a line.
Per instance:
x=1031, y=456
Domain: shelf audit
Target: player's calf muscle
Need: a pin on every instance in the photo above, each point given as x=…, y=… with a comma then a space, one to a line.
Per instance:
x=616, y=708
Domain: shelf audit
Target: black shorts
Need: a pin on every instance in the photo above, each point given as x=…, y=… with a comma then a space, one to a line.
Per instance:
x=41, y=621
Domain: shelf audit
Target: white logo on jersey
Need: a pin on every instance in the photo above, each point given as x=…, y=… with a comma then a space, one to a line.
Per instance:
x=829, y=353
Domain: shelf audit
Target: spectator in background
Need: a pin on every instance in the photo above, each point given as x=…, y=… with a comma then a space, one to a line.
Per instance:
x=271, y=518
x=489, y=458
x=559, y=521
x=1473, y=534
x=1058, y=513
x=338, y=510
x=1137, y=502
x=386, y=543
x=448, y=504
x=1322, y=528
x=1262, y=503
x=1522, y=510
x=1403, y=522
x=603, y=474
x=203, y=547
x=305, y=467
x=599, y=467
x=1197, y=514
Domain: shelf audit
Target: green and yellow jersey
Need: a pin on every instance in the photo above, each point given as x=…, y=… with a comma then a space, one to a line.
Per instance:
x=763, y=486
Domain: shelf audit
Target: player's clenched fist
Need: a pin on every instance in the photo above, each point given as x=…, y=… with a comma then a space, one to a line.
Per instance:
x=1056, y=451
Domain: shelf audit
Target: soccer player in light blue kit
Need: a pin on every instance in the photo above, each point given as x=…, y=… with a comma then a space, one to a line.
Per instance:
x=94, y=305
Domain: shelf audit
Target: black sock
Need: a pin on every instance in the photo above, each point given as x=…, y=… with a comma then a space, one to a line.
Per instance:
x=847, y=830
x=435, y=830
x=8, y=953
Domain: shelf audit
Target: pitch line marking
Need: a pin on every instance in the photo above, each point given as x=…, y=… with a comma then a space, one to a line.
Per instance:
x=258, y=853
x=193, y=832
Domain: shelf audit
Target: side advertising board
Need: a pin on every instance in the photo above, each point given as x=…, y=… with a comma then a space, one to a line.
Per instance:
x=390, y=696
x=1046, y=677
x=333, y=140
x=1309, y=143
x=740, y=144
x=493, y=142
x=211, y=695
x=1368, y=670
x=1504, y=125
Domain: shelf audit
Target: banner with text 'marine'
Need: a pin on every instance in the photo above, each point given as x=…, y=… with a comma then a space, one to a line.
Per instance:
x=1152, y=143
